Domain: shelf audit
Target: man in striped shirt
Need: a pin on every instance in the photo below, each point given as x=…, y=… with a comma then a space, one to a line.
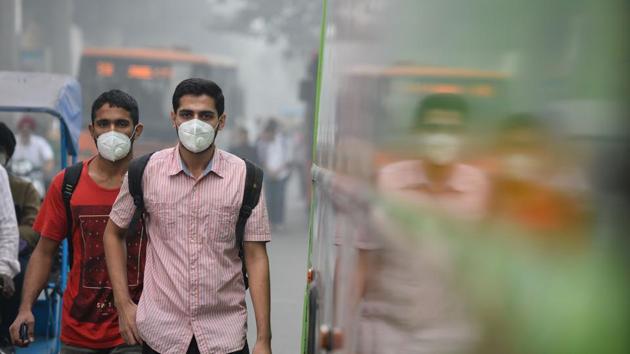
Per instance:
x=194, y=295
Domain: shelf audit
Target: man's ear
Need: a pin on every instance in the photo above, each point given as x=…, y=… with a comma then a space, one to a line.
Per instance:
x=139, y=128
x=222, y=120
x=173, y=121
x=91, y=130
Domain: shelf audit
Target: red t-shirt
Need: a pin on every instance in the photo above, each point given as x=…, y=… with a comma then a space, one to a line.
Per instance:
x=89, y=318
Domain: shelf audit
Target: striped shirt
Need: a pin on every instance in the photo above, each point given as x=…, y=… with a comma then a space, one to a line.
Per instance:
x=193, y=284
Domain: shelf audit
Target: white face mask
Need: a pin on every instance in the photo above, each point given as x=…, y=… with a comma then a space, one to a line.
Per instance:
x=3, y=159
x=196, y=135
x=441, y=148
x=113, y=146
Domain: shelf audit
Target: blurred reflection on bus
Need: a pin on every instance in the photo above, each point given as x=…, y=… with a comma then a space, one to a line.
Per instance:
x=534, y=184
x=408, y=304
x=507, y=236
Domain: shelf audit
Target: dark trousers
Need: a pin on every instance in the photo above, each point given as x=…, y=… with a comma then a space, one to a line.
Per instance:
x=9, y=307
x=275, y=195
x=121, y=349
x=192, y=349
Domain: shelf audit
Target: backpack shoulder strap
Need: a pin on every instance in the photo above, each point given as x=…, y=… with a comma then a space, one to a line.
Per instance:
x=251, y=196
x=70, y=180
x=134, y=178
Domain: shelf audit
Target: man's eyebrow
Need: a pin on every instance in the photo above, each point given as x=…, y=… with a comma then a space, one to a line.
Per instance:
x=111, y=119
x=200, y=111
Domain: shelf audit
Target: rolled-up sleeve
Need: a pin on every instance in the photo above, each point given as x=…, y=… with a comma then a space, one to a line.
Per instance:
x=257, y=228
x=123, y=208
x=9, y=234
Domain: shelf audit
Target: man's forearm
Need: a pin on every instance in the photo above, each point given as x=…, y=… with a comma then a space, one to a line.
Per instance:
x=258, y=271
x=37, y=273
x=116, y=258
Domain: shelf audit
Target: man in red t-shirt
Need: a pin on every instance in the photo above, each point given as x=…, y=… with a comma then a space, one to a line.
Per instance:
x=89, y=318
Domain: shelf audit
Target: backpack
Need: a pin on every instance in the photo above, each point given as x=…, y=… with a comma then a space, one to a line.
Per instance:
x=251, y=196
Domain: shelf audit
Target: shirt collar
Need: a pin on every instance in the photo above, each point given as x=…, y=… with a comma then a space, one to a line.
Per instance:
x=187, y=171
x=216, y=165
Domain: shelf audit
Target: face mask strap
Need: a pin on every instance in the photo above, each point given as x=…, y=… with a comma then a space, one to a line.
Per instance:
x=133, y=134
x=216, y=132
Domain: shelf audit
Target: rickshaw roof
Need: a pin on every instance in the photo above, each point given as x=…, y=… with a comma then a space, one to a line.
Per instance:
x=58, y=95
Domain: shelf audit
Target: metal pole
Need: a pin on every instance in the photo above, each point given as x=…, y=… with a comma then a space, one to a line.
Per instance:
x=64, y=247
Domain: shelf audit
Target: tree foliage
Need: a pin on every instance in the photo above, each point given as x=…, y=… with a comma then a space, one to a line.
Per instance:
x=295, y=22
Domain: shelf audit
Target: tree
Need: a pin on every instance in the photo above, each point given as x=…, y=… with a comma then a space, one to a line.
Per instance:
x=295, y=22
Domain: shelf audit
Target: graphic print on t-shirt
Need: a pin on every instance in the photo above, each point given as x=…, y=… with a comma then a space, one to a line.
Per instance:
x=94, y=301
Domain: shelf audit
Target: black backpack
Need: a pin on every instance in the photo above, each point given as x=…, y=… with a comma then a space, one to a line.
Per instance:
x=251, y=196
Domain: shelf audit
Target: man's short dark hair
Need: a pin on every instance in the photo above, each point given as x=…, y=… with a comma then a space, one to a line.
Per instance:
x=199, y=87
x=7, y=140
x=441, y=101
x=120, y=99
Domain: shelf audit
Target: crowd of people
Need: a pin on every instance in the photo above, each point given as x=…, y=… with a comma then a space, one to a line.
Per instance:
x=278, y=150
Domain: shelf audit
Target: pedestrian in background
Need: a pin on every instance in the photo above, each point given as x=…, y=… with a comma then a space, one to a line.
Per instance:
x=242, y=148
x=26, y=200
x=275, y=153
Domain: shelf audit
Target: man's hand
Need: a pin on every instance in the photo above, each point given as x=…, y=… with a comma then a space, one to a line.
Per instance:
x=8, y=287
x=127, y=323
x=262, y=347
x=24, y=316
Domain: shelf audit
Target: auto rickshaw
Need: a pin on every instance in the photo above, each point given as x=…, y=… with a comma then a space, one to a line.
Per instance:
x=57, y=96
